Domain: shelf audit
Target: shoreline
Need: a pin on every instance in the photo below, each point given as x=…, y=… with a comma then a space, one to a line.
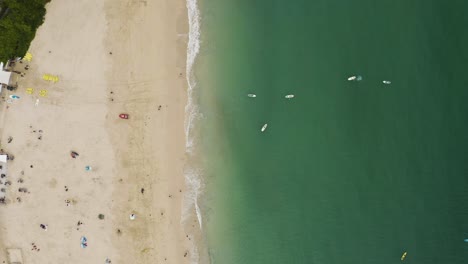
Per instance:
x=149, y=106
x=194, y=208
x=132, y=60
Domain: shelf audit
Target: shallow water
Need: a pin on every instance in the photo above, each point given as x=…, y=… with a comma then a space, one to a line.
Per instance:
x=346, y=172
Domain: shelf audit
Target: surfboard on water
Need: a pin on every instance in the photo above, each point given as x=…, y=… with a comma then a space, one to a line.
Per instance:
x=355, y=78
x=404, y=256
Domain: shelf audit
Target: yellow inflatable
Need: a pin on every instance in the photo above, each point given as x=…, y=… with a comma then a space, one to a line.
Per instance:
x=48, y=77
x=30, y=90
x=43, y=93
x=27, y=57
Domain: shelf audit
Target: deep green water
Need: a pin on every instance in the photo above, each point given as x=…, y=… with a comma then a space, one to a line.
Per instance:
x=346, y=172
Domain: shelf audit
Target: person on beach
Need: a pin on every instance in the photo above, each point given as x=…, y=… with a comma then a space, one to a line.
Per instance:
x=74, y=154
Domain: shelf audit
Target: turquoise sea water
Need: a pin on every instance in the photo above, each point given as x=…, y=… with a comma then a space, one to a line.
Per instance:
x=347, y=172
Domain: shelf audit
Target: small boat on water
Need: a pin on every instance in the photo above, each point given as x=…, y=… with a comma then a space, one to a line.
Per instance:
x=264, y=127
x=289, y=96
x=386, y=82
x=355, y=78
x=252, y=95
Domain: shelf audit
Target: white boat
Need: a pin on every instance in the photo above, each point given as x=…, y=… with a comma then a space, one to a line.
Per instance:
x=264, y=127
x=252, y=95
x=355, y=78
x=386, y=82
x=289, y=96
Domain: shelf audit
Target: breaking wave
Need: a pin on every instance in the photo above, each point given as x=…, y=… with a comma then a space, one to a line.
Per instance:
x=192, y=174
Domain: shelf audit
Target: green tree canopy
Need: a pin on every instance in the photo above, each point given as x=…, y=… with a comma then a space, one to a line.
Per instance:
x=19, y=20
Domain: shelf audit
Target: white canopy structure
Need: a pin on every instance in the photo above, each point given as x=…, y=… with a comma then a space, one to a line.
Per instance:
x=4, y=76
x=3, y=158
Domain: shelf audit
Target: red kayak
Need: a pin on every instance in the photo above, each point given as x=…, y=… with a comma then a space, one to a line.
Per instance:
x=123, y=116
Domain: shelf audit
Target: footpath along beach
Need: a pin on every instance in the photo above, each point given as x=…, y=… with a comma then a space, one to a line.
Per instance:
x=109, y=57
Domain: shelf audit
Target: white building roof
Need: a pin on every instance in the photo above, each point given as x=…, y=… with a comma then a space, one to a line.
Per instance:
x=4, y=75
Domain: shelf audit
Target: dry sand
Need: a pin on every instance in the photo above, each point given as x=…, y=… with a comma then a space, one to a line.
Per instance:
x=110, y=56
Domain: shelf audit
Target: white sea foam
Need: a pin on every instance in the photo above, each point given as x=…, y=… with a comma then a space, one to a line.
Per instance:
x=193, y=49
x=192, y=174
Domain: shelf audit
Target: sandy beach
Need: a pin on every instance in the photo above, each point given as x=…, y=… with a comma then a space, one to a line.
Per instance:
x=110, y=57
